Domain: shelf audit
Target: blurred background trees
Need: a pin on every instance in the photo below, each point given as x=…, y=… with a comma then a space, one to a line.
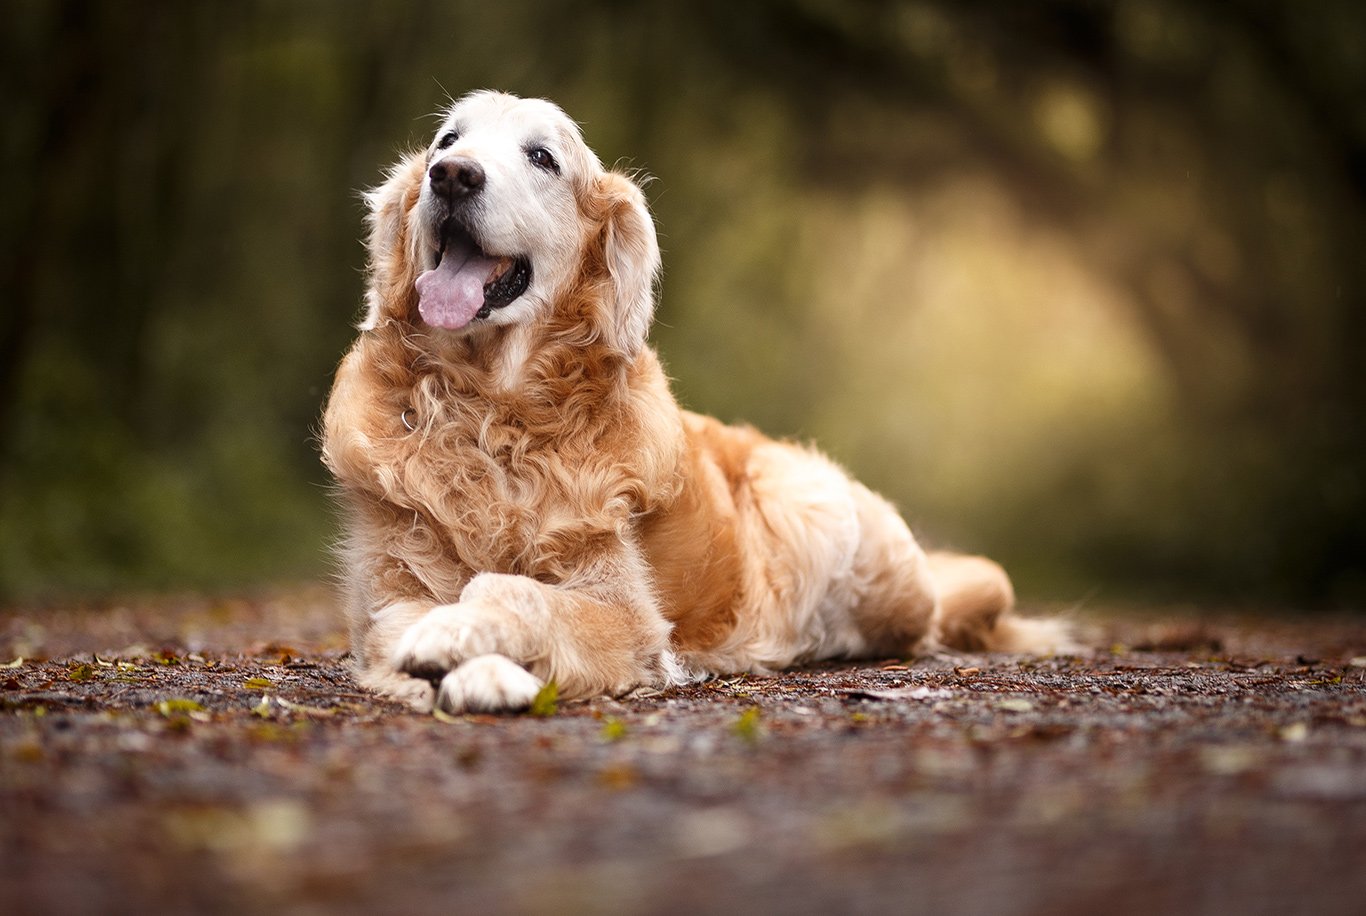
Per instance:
x=1079, y=284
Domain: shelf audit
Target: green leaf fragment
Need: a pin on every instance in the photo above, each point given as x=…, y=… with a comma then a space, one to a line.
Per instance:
x=545, y=702
x=747, y=727
x=258, y=683
x=80, y=673
x=613, y=729
x=178, y=705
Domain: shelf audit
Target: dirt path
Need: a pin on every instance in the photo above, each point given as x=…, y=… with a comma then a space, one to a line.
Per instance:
x=217, y=757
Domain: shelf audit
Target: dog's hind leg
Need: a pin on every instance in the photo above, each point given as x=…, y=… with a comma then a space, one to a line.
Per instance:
x=918, y=602
x=897, y=600
x=976, y=609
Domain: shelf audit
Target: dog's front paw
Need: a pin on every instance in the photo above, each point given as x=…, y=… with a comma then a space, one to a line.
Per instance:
x=446, y=636
x=489, y=683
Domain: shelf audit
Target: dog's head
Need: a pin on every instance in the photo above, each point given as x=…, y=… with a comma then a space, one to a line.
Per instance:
x=502, y=219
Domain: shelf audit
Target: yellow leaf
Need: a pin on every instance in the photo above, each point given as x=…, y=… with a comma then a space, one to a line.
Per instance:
x=169, y=708
x=613, y=729
x=747, y=727
x=544, y=703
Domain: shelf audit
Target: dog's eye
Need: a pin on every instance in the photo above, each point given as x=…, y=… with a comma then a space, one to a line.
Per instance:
x=447, y=139
x=540, y=157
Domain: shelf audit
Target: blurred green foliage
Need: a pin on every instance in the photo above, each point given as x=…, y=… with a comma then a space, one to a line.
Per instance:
x=1077, y=284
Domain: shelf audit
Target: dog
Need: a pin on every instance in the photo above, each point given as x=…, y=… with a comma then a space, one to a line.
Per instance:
x=525, y=501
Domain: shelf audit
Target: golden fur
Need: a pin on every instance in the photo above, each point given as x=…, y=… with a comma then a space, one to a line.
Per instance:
x=552, y=514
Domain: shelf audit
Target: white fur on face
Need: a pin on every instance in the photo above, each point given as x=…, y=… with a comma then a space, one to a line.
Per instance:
x=523, y=210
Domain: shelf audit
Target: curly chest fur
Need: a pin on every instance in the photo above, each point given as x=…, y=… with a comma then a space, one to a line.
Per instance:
x=534, y=484
x=503, y=503
x=483, y=493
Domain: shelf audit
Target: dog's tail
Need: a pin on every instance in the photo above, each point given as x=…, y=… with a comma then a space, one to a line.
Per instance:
x=976, y=613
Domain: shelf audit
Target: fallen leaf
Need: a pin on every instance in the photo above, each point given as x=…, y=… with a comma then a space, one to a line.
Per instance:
x=306, y=710
x=441, y=715
x=1015, y=704
x=1295, y=732
x=1229, y=760
x=19, y=662
x=613, y=729
x=80, y=673
x=269, y=827
x=619, y=776
x=747, y=727
x=1357, y=662
x=169, y=708
x=258, y=683
x=969, y=671
x=544, y=703
x=28, y=750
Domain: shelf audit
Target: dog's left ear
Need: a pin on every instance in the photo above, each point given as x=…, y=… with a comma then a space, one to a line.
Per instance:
x=631, y=253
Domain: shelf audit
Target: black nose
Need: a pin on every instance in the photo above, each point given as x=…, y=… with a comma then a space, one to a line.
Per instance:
x=456, y=176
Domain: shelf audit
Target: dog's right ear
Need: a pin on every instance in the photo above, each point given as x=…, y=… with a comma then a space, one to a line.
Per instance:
x=394, y=257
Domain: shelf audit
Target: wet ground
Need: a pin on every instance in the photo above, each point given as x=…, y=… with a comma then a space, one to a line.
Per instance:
x=216, y=756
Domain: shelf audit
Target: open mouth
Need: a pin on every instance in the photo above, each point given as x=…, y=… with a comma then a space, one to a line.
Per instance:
x=467, y=283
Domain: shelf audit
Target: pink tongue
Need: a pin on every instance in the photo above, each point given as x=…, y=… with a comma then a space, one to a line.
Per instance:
x=450, y=295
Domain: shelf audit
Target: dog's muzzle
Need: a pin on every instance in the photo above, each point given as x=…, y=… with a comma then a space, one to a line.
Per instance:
x=467, y=283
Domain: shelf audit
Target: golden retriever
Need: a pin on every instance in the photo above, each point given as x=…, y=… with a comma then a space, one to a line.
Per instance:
x=526, y=502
